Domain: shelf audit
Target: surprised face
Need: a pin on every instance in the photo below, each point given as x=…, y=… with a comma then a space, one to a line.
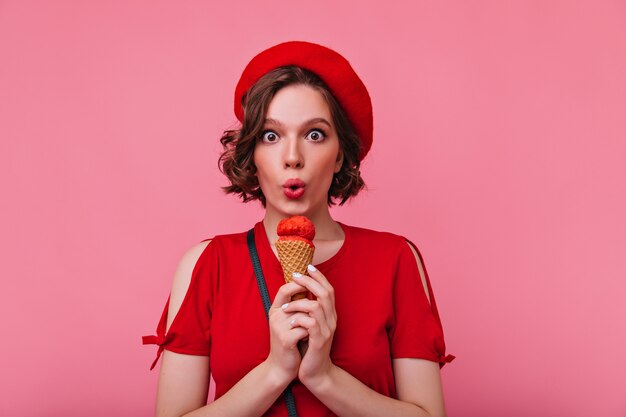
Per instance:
x=297, y=153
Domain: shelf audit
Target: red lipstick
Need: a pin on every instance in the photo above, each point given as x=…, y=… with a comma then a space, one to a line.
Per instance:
x=294, y=188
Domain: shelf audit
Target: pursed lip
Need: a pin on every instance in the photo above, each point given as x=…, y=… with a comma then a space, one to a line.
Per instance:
x=294, y=183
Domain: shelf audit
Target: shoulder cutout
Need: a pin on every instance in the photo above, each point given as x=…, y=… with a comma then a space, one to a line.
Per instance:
x=182, y=279
x=421, y=269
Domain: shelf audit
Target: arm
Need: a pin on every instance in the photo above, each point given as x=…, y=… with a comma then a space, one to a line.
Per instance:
x=184, y=379
x=418, y=382
x=184, y=382
x=418, y=386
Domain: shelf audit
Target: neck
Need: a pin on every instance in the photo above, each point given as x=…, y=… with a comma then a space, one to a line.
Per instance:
x=326, y=229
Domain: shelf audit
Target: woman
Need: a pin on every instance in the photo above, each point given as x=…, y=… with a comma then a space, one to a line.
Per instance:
x=375, y=340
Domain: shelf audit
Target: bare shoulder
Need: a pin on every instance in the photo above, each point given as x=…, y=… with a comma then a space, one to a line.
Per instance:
x=420, y=267
x=182, y=278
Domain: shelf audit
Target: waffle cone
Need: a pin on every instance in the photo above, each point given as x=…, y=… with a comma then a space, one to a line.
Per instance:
x=294, y=256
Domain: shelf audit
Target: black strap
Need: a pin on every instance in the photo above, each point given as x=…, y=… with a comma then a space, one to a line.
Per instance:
x=260, y=280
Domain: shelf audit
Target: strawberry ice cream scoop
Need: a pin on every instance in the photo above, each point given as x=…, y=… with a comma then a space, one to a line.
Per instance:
x=296, y=227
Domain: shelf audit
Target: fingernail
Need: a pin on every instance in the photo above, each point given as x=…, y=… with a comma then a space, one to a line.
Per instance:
x=292, y=322
x=284, y=306
x=297, y=275
x=312, y=268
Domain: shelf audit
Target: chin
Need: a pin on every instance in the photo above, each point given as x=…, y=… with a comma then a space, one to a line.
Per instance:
x=296, y=208
x=300, y=207
x=296, y=211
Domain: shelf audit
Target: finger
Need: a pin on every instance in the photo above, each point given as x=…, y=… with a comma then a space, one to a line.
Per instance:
x=294, y=335
x=316, y=330
x=305, y=322
x=311, y=284
x=296, y=318
x=318, y=276
x=324, y=296
x=304, y=304
x=309, y=307
x=306, y=308
x=329, y=307
x=285, y=292
x=291, y=320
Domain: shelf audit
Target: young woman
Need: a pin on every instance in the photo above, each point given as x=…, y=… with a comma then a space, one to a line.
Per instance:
x=375, y=339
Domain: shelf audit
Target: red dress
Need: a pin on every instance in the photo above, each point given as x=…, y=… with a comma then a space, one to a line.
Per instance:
x=382, y=312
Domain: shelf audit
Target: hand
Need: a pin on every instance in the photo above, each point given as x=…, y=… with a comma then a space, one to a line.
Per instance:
x=284, y=356
x=319, y=318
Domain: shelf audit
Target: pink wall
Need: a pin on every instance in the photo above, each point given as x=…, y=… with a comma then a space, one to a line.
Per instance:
x=500, y=149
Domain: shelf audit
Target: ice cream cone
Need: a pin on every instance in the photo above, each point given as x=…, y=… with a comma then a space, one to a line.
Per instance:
x=295, y=252
x=295, y=247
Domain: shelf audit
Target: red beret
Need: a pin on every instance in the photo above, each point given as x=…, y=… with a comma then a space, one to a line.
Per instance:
x=331, y=67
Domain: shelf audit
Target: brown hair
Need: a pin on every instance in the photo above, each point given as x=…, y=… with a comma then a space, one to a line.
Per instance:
x=236, y=162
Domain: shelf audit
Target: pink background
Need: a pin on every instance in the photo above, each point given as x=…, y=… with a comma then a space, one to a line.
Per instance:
x=500, y=149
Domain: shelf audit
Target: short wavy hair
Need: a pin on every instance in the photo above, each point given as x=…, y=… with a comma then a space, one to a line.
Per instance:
x=237, y=162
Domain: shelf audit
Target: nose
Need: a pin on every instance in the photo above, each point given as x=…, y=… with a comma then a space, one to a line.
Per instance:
x=293, y=155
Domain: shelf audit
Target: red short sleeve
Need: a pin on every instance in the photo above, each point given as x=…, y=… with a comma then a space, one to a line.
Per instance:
x=417, y=331
x=190, y=332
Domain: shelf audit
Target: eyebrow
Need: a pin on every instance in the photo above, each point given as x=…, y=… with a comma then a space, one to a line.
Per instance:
x=307, y=123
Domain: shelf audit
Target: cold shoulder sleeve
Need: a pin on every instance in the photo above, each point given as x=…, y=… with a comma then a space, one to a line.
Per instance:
x=416, y=331
x=190, y=331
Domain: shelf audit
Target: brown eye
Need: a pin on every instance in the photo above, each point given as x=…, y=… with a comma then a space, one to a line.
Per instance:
x=316, y=135
x=269, y=136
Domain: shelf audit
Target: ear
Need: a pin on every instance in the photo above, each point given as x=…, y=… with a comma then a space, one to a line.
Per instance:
x=339, y=161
